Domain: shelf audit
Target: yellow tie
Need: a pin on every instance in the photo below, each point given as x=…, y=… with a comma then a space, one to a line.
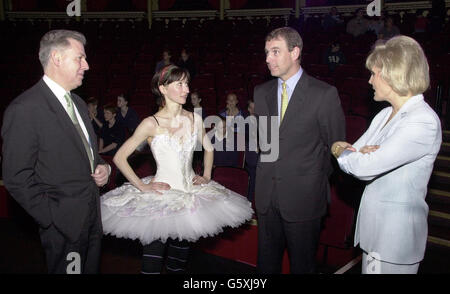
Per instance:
x=284, y=101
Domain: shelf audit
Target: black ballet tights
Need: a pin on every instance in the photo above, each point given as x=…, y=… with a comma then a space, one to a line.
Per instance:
x=153, y=257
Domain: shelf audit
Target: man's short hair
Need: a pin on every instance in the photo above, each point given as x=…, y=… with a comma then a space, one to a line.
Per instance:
x=110, y=107
x=290, y=35
x=57, y=39
x=92, y=100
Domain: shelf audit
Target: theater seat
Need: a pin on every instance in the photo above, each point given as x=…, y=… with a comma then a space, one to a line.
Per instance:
x=355, y=127
x=233, y=178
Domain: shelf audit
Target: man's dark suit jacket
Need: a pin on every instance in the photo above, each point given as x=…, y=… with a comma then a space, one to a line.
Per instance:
x=313, y=121
x=45, y=165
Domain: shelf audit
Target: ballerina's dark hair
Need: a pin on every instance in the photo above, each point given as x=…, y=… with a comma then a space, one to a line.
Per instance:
x=168, y=74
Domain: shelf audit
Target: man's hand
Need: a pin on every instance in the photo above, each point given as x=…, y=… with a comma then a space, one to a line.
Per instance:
x=101, y=175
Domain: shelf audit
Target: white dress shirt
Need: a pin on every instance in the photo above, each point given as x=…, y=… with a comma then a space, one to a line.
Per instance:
x=392, y=218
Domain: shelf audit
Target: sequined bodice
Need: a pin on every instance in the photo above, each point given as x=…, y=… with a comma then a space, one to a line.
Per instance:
x=173, y=157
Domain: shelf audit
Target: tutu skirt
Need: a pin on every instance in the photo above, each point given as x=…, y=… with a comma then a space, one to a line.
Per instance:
x=202, y=212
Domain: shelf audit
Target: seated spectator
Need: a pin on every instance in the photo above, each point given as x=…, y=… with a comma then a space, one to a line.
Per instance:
x=187, y=62
x=225, y=145
x=232, y=110
x=333, y=57
x=127, y=116
x=377, y=24
x=358, y=25
x=251, y=149
x=332, y=20
x=166, y=55
x=437, y=16
x=96, y=117
x=112, y=134
x=389, y=30
x=196, y=106
x=420, y=26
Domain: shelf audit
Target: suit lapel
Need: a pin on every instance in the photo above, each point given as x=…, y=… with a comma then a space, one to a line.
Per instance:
x=272, y=103
x=64, y=120
x=87, y=123
x=297, y=98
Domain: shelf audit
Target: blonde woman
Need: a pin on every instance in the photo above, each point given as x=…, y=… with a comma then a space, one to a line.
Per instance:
x=395, y=156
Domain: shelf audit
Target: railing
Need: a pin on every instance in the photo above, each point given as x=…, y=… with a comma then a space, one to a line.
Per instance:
x=286, y=13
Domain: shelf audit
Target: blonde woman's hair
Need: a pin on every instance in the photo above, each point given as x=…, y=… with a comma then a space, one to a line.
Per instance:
x=403, y=65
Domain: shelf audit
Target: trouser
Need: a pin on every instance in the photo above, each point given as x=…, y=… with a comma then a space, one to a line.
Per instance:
x=154, y=253
x=81, y=256
x=374, y=266
x=275, y=234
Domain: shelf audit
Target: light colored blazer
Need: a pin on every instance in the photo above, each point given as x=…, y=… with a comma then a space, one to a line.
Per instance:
x=392, y=218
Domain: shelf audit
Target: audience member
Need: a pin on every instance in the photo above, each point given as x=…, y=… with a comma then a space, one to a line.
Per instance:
x=198, y=109
x=166, y=55
x=358, y=25
x=97, y=118
x=127, y=116
x=251, y=149
x=225, y=145
x=389, y=30
x=187, y=62
x=421, y=23
x=332, y=20
x=196, y=106
x=334, y=56
x=376, y=24
x=437, y=15
x=112, y=134
x=232, y=110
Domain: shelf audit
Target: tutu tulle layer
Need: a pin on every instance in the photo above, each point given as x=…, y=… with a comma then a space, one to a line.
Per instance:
x=202, y=212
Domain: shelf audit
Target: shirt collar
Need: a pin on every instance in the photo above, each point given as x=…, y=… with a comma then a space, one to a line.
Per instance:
x=55, y=88
x=292, y=81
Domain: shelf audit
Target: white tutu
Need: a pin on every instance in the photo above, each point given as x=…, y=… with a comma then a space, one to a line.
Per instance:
x=185, y=212
x=202, y=212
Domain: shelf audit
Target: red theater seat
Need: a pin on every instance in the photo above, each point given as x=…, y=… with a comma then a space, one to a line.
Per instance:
x=235, y=179
x=355, y=127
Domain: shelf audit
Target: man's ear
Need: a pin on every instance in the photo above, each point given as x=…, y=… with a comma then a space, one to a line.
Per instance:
x=55, y=57
x=295, y=53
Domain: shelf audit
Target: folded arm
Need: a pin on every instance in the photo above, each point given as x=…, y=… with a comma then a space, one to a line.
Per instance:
x=409, y=142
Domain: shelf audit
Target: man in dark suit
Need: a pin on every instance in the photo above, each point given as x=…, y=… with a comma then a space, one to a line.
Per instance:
x=292, y=190
x=51, y=164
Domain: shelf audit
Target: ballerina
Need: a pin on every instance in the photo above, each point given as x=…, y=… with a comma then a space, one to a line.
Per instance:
x=175, y=207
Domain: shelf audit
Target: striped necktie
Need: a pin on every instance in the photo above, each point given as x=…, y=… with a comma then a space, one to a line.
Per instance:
x=73, y=117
